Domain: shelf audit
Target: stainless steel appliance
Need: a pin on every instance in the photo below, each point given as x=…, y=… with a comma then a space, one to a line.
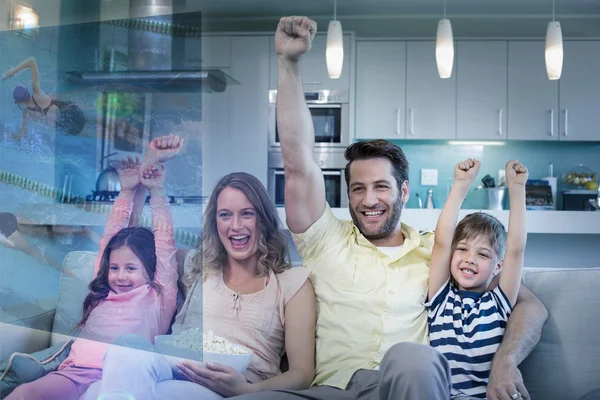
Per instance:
x=330, y=111
x=156, y=53
x=579, y=200
x=332, y=163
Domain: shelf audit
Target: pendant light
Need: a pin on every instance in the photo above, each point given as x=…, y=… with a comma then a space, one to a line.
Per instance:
x=554, y=48
x=335, y=46
x=444, y=47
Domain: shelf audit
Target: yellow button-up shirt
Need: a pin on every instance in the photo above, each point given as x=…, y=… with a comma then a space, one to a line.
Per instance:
x=366, y=301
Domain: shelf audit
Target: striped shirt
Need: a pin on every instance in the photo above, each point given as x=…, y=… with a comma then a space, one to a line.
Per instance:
x=467, y=327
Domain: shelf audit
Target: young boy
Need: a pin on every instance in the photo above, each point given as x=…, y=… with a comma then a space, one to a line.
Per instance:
x=466, y=320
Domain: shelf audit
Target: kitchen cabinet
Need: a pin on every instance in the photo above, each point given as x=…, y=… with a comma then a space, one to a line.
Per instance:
x=579, y=98
x=208, y=52
x=430, y=100
x=482, y=87
x=532, y=97
x=380, y=89
x=234, y=123
x=314, y=66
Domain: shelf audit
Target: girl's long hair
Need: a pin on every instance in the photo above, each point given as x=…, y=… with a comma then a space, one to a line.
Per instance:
x=141, y=243
x=211, y=256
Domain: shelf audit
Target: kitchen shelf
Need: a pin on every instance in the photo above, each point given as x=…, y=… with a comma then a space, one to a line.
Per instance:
x=558, y=222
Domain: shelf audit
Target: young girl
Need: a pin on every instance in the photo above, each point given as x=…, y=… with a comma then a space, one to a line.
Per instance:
x=466, y=320
x=134, y=289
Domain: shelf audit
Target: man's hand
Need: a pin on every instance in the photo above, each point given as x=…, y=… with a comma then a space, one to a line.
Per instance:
x=516, y=174
x=466, y=171
x=506, y=382
x=294, y=37
x=163, y=148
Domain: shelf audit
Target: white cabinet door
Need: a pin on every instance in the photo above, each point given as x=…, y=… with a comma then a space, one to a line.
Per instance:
x=430, y=100
x=481, y=68
x=234, y=132
x=314, y=66
x=380, y=90
x=580, y=91
x=532, y=97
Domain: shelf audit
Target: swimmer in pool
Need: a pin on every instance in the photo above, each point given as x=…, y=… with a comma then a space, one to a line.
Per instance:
x=11, y=238
x=64, y=115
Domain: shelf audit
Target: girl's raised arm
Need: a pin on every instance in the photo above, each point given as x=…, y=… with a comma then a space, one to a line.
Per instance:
x=153, y=178
x=120, y=213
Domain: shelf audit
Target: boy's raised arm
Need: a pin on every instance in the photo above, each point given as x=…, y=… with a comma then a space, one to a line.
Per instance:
x=439, y=267
x=510, y=279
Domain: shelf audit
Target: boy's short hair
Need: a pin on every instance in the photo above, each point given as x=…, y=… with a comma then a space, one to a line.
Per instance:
x=481, y=225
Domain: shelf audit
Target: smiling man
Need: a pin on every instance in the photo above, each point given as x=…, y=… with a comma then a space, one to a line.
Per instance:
x=369, y=274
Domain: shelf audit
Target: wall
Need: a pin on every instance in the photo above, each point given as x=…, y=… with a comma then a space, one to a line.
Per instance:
x=535, y=155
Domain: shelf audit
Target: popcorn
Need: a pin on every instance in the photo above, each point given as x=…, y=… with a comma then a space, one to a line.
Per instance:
x=215, y=344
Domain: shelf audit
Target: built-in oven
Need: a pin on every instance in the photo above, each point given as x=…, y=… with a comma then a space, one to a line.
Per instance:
x=330, y=111
x=332, y=164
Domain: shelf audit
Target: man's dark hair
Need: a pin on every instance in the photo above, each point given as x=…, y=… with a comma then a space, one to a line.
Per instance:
x=378, y=148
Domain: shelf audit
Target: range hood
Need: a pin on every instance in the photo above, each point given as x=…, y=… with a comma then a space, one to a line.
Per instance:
x=155, y=59
x=207, y=81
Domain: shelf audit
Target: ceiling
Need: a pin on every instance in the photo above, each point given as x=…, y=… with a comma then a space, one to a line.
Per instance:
x=387, y=8
x=408, y=18
x=391, y=18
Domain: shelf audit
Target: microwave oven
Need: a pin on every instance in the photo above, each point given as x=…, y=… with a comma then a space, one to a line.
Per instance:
x=330, y=112
x=578, y=200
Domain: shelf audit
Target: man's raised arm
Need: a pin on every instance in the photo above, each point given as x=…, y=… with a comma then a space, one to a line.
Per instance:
x=304, y=185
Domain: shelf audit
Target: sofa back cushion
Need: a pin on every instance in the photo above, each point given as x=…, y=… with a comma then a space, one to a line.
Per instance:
x=78, y=269
x=566, y=362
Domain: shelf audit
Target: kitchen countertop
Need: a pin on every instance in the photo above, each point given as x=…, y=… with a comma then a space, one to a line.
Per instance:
x=190, y=216
x=95, y=214
x=560, y=222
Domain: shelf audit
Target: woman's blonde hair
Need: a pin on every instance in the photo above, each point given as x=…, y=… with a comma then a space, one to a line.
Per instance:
x=211, y=256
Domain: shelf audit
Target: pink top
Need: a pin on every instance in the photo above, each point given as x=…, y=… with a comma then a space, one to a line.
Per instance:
x=255, y=320
x=142, y=311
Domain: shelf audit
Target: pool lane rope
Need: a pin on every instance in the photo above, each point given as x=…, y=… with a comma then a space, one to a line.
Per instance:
x=50, y=192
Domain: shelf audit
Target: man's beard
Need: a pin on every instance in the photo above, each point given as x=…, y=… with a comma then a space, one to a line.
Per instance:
x=388, y=227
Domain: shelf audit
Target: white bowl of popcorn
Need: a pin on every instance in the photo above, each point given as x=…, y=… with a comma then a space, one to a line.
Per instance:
x=205, y=347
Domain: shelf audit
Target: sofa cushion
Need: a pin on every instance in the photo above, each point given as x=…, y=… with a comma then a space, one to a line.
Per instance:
x=566, y=362
x=78, y=270
x=22, y=368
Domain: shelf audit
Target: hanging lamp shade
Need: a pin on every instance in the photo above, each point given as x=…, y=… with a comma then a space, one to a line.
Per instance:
x=554, y=50
x=335, y=49
x=444, y=48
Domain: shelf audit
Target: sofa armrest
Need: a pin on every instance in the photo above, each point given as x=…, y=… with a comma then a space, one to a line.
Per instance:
x=26, y=327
